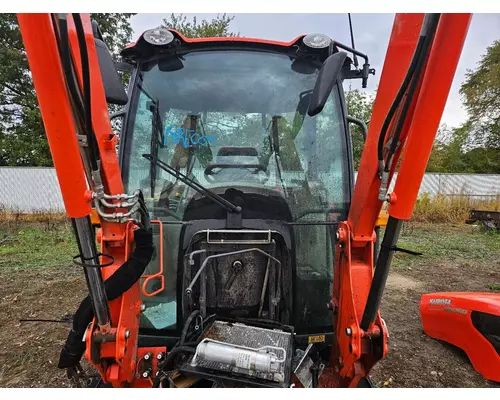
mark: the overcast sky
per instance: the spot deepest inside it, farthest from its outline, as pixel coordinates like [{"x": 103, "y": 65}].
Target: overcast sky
[{"x": 371, "y": 33}]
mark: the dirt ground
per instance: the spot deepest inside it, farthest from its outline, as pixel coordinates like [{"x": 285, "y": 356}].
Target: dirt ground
[{"x": 29, "y": 351}]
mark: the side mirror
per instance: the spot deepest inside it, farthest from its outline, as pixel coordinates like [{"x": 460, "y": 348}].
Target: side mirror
[
  {"x": 361, "y": 124},
  {"x": 328, "y": 75},
  {"x": 113, "y": 88}
]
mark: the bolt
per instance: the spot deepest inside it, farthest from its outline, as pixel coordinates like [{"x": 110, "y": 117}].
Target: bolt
[
  {"x": 237, "y": 265},
  {"x": 348, "y": 331},
  {"x": 159, "y": 356},
  {"x": 147, "y": 357},
  {"x": 127, "y": 334},
  {"x": 145, "y": 374},
  {"x": 142, "y": 308}
]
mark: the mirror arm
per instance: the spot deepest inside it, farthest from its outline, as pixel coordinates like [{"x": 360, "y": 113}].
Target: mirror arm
[
  {"x": 359, "y": 123},
  {"x": 351, "y": 50},
  {"x": 365, "y": 71}
]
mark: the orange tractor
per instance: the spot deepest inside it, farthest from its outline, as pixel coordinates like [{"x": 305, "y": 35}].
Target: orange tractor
[{"x": 233, "y": 248}]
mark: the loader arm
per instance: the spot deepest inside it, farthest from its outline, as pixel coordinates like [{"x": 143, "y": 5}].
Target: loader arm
[
  {"x": 89, "y": 176},
  {"x": 361, "y": 334}
]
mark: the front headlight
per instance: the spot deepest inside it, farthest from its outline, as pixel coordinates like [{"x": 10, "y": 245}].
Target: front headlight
[
  {"x": 158, "y": 36},
  {"x": 317, "y": 41}
]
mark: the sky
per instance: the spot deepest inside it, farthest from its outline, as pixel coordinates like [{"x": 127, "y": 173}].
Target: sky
[{"x": 371, "y": 35}]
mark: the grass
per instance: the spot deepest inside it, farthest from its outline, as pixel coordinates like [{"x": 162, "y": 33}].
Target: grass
[
  {"x": 495, "y": 286},
  {"x": 32, "y": 244},
  {"x": 446, "y": 243},
  {"x": 454, "y": 209},
  {"x": 437, "y": 230},
  {"x": 42, "y": 216}
]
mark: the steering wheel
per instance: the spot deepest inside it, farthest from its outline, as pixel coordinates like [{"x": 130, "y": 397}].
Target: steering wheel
[{"x": 209, "y": 170}]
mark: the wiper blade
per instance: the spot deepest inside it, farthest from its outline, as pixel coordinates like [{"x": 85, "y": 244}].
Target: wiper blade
[{"x": 195, "y": 185}]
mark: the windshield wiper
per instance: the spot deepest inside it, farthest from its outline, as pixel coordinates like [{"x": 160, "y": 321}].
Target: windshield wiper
[
  {"x": 195, "y": 185},
  {"x": 156, "y": 129},
  {"x": 275, "y": 147}
]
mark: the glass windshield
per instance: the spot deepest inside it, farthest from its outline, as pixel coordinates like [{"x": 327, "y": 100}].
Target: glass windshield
[
  {"x": 217, "y": 115},
  {"x": 235, "y": 119}
]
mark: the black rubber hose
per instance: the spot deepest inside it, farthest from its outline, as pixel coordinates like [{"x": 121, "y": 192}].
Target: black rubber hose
[
  {"x": 397, "y": 100},
  {"x": 117, "y": 284},
  {"x": 170, "y": 357},
  {"x": 428, "y": 34},
  {"x": 87, "y": 99},
  {"x": 68, "y": 68},
  {"x": 400, "y": 95},
  {"x": 187, "y": 324}
]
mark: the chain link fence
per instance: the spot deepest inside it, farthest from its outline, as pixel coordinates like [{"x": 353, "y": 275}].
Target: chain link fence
[{"x": 29, "y": 190}]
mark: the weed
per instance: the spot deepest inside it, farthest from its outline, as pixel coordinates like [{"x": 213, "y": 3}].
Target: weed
[
  {"x": 494, "y": 286},
  {"x": 451, "y": 209}
]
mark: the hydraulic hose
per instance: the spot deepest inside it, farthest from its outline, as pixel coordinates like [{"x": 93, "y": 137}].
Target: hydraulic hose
[
  {"x": 67, "y": 64},
  {"x": 117, "y": 284},
  {"x": 428, "y": 32},
  {"x": 406, "y": 91},
  {"x": 187, "y": 324},
  {"x": 87, "y": 99},
  {"x": 170, "y": 357},
  {"x": 397, "y": 101}
]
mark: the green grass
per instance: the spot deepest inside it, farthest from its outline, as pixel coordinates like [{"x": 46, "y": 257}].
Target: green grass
[
  {"x": 34, "y": 244},
  {"x": 495, "y": 286},
  {"x": 446, "y": 243},
  {"x": 51, "y": 244}
]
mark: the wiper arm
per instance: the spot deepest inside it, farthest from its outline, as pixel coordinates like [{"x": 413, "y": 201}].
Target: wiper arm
[
  {"x": 275, "y": 147},
  {"x": 195, "y": 185}
]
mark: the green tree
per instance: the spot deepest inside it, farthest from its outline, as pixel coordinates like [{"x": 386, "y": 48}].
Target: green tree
[
  {"x": 22, "y": 135},
  {"x": 474, "y": 147},
  {"x": 481, "y": 94},
  {"x": 359, "y": 105},
  {"x": 447, "y": 151},
  {"x": 217, "y": 27}
]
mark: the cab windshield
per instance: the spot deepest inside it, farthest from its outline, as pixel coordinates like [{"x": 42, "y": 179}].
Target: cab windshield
[{"x": 237, "y": 119}]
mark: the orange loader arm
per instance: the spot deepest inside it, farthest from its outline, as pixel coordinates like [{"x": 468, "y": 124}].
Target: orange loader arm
[
  {"x": 421, "y": 60},
  {"x": 64, "y": 63}
]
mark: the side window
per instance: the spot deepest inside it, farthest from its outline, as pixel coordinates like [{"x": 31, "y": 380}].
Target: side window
[
  {"x": 332, "y": 157},
  {"x": 141, "y": 139}
]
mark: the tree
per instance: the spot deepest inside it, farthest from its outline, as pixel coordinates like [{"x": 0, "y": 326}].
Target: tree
[
  {"x": 359, "y": 105},
  {"x": 22, "y": 135},
  {"x": 474, "y": 147},
  {"x": 447, "y": 153},
  {"x": 217, "y": 27},
  {"x": 451, "y": 153},
  {"x": 481, "y": 94}
]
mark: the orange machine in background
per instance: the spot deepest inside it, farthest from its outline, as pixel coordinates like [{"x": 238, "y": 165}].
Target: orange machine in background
[{"x": 470, "y": 321}]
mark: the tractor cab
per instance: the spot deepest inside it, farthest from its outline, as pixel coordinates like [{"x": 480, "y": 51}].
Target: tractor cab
[{"x": 242, "y": 150}]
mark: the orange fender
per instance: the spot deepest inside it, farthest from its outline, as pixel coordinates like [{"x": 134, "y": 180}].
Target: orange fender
[{"x": 470, "y": 321}]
